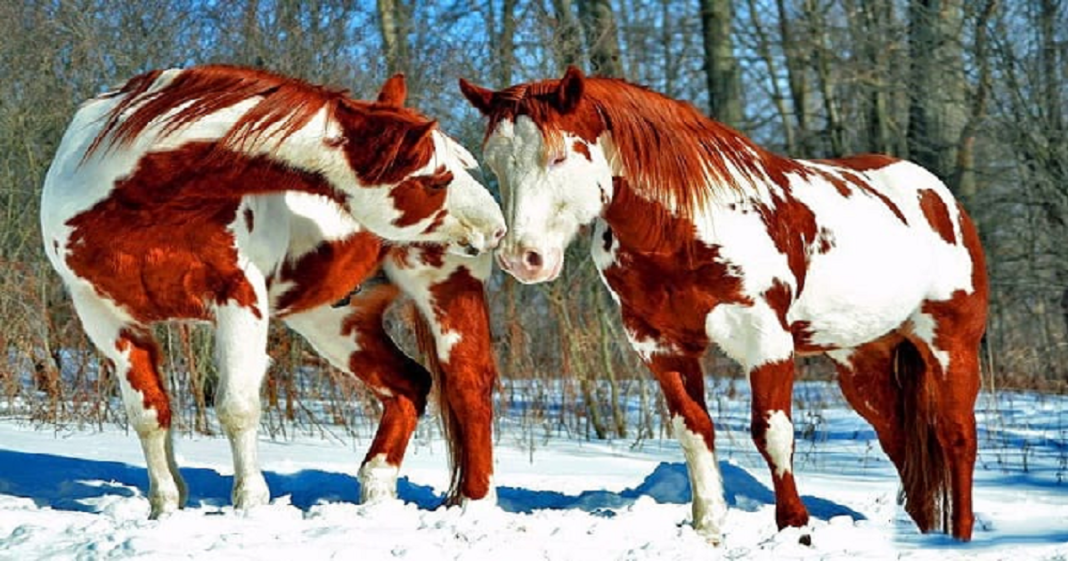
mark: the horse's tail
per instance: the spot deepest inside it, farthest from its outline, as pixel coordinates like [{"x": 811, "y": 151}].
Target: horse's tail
[
  {"x": 924, "y": 474},
  {"x": 450, "y": 425}
]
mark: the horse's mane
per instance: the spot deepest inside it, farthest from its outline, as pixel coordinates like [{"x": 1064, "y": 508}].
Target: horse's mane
[
  {"x": 668, "y": 150},
  {"x": 194, "y": 93}
]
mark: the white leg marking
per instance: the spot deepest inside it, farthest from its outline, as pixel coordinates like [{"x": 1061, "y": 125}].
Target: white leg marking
[
  {"x": 241, "y": 346},
  {"x": 780, "y": 439},
  {"x": 378, "y": 480},
  {"x": 102, "y": 325},
  {"x": 164, "y": 492},
  {"x": 709, "y": 506}
]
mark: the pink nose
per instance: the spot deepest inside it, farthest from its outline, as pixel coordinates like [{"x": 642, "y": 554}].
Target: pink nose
[{"x": 530, "y": 265}]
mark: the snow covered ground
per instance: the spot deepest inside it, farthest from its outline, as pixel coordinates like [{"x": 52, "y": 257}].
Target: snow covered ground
[{"x": 80, "y": 495}]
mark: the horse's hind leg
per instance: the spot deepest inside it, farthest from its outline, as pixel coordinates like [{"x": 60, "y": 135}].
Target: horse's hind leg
[
  {"x": 953, "y": 386},
  {"x": 354, "y": 340},
  {"x": 135, "y": 356},
  {"x": 870, "y": 384},
  {"x": 241, "y": 354},
  {"x": 924, "y": 418}
]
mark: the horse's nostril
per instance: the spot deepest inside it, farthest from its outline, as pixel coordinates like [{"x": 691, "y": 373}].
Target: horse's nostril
[
  {"x": 500, "y": 234},
  {"x": 532, "y": 259}
]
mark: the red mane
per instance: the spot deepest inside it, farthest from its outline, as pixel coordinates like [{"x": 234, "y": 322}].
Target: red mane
[
  {"x": 285, "y": 102},
  {"x": 667, "y": 148}
]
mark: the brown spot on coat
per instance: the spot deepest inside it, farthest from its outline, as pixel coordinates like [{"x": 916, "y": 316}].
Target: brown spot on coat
[
  {"x": 419, "y": 198},
  {"x": 581, "y": 148},
  {"x": 329, "y": 272},
  {"x": 667, "y": 281},
  {"x": 160, "y": 245},
  {"x": 937, "y": 215},
  {"x": 144, "y": 356}
]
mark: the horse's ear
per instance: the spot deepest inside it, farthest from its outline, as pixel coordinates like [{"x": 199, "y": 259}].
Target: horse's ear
[
  {"x": 481, "y": 98},
  {"x": 394, "y": 91},
  {"x": 418, "y": 132},
  {"x": 569, "y": 92}
]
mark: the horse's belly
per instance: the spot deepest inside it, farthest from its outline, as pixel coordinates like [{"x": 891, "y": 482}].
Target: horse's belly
[{"x": 853, "y": 296}]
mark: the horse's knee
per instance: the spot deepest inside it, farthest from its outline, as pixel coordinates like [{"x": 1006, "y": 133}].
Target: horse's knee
[{"x": 238, "y": 413}]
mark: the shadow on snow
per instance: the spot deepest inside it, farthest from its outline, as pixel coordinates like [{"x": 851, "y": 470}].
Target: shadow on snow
[{"x": 65, "y": 483}]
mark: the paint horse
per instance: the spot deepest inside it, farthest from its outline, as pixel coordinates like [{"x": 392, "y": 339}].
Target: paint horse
[
  {"x": 702, "y": 236},
  {"x": 229, "y": 195}
]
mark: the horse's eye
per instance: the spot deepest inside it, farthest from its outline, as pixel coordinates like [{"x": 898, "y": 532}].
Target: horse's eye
[
  {"x": 439, "y": 181},
  {"x": 558, "y": 160}
]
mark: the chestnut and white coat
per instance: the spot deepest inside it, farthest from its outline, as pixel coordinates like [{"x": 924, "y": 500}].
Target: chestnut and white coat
[
  {"x": 229, "y": 195},
  {"x": 704, "y": 237}
]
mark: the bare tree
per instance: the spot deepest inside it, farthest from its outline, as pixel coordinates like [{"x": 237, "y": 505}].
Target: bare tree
[
  {"x": 394, "y": 19},
  {"x": 721, "y": 66},
  {"x": 937, "y": 85},
  {"x": 602, "y": 37}
]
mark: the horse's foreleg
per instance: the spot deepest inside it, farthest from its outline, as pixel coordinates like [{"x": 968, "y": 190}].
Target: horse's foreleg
[
  {"x": 682, "y": 383},
  {"x": 773, "y": 434},
  {"x": 354, "y": 340},
  {"x": 399, "y": 382},
  {"x": 456, "y": 341},
  {"x": 135, "y": 357},
  {"x": 241, "y": 353}
]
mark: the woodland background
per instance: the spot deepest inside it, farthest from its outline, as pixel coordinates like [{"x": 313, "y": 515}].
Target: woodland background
[{"x": 975, "y": 91}]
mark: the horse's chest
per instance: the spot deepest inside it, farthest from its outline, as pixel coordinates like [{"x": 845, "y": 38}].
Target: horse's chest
[{"x": 666, "y": 297}]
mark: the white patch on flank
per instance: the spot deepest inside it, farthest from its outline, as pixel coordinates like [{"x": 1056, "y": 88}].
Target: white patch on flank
[
  {"x": 751, "y": 335},
  {"x": 880, "y": 270},
  {"x": 709, "y": 506},
  {"x": 378, "y": 480},
  {"x": 780, "y": 440},
  {"x": 266, "y": 244},
  {"x": 923, "y": 325}
]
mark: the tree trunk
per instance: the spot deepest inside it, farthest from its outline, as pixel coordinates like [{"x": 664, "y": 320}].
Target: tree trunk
[
  {"x": 764, "y": 50},
  {"x": 796, "y": 63},
  {"x": 394, "y": 23},
  {"x": 602, "y": 38},
  {"x": 568, "y": 44},
  {"x": 937, "y": 86},
  {"x": 876, "y": 21},
  {"x": 721, "y": 67},
  {"x": 506, "y": 45}
]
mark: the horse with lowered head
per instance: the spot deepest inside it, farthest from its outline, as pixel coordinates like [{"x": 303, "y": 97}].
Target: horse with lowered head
[
  {"x": 229, "y": 195},
  {"x": 703, "y": 236}
]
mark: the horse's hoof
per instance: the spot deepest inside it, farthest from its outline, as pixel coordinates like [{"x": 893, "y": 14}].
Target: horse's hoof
[{"x": 250, "y": 492}]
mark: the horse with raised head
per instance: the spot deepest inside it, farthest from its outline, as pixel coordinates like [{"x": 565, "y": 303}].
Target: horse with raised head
[
  {"x": 702, "y": 236},
  {"x": 230, "y": 195}
]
